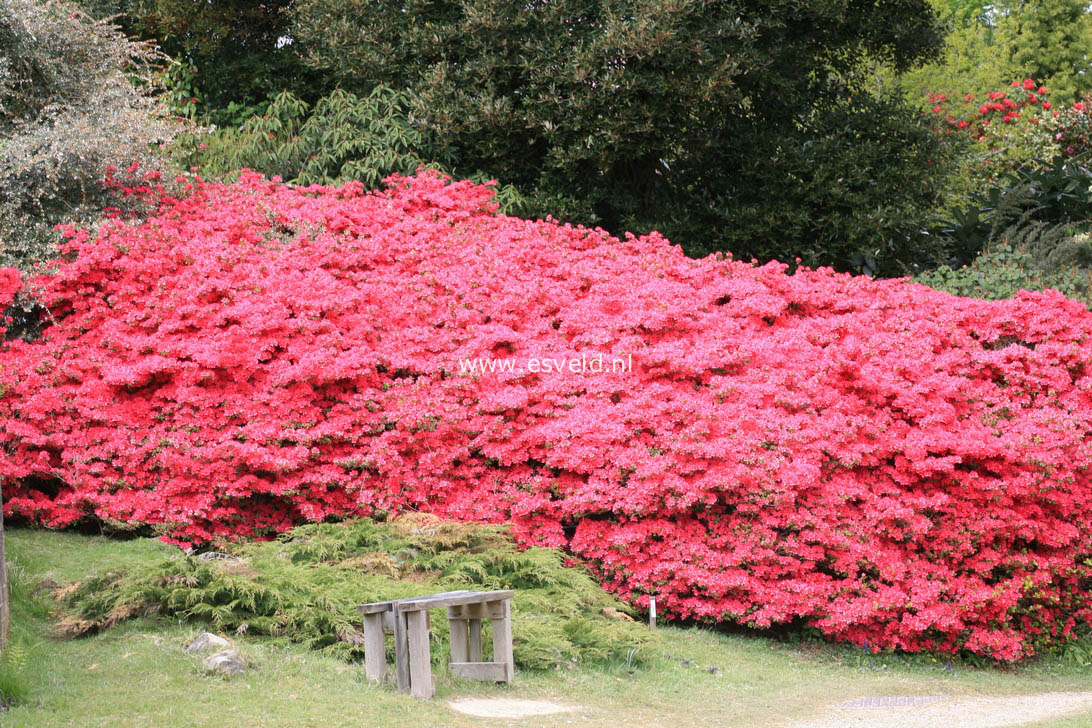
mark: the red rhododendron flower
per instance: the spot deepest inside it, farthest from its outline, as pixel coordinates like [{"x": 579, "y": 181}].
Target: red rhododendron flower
[{"x": 884, "y": 462}]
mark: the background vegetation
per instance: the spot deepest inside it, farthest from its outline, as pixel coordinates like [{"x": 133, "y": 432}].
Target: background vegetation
[
  {"x": 737, "y": 130},
  {"x": 75, "y": 100}
]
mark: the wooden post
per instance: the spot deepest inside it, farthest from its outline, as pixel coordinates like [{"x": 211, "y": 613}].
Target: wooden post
[
  {"x": 502, "y": 640},
  {"x": 420, "y": 661},
  {"x": 401, "y": 653},
  {"x": 375, "y": 647},
  {"x": 5, "y": 596},
  {"x": 460, "y": 647},
  {"x": 474, "y": 653},
  {"x": 652, "y": 612}
]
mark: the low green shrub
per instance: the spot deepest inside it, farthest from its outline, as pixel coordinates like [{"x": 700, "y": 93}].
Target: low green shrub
[
  {"x": 1046, "y": 200},
  {"x": 1005, "y": 268},
  {"x": 305, "y": 586}
]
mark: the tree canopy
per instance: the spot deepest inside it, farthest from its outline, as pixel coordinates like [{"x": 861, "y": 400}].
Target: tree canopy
[
  {"x": 74, "y": 100},
  {"x": 656, "y": 114}
]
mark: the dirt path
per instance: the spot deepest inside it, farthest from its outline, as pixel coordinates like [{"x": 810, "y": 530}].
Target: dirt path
[
  {"x": 929, "y": 711},
  {"x": 923, "y": 711}
]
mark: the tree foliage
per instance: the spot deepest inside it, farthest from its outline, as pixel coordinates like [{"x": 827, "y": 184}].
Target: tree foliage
[
  {"x": 652, "y": 114},
  {"x": 343, "y": 137},
  {"x": 1049, "y": 40},
  {"x": 989, "y": 45},
  {"x": 73, "y": 102},
  {"x": 975, "y": 58},
  {"x": 240, "y": 49}
]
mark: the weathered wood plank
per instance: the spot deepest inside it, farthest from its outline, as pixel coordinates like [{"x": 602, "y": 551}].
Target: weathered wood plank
[
  {"x": 375, "y": 607},
  {"x": 474, "y": 648},
  {"x": 450, "y": 599},
  {"x": 502, "y": 641},
  {"x": 401, "y": 654},
  {"x": 485, "y": 610},
  {"x": 458, "y": 629},
  {"x": 488, "y": 671},
  {"x": 466, "y": 611},
  {"x": 375, "y": 647},
  {"x": 420, "y": 664}
]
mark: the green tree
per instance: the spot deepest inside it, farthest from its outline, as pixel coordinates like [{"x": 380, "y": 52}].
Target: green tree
[
  {"x": 342, "y": 138},
  {"x": 1049, "y": 40},
  {"x": 989, "y": 46},
  {"x": 976, "y": 58},
  {"x": 73, "y": 101},
  {"x": 240, "y": 49},
  {"x": 659, "y": 114}
]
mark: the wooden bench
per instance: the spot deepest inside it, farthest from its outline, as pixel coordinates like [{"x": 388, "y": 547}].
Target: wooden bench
[{"x": 408, "y": 620}]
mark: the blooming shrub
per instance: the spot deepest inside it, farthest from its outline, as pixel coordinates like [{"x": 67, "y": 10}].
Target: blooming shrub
[
  {"x": 1014, "y": 127},
  {"x": 1005, "y": 131},
  {"x": 1073, "y": 132},
  {"x": 887, "y": 463}
]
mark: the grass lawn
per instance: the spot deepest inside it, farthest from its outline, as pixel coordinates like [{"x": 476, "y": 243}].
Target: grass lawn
[{"x": 136, "y": 674}]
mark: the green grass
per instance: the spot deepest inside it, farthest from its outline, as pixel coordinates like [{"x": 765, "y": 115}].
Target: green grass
[{"x": 135, "y": 674}]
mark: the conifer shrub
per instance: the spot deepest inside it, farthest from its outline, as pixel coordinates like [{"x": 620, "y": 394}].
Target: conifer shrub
[
  {"x": 304, "y": 587},
  {"x": 884, "y": 462}
]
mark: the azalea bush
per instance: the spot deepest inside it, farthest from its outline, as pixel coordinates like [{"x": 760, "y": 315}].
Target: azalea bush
[{"x": 886, "y": 463}]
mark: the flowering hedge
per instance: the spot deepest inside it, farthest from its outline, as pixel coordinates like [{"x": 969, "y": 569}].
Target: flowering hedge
[
  {"x": 1015, "y": 127},
  {"x": 890, "y": 464}
]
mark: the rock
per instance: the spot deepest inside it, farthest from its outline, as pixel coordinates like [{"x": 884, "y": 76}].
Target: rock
[
  {"x": 207, "y": 641},
  {"x": 218, "y": 556},
  {"x": 612, "y": 613},
  {"x": 229, "y": 662}
]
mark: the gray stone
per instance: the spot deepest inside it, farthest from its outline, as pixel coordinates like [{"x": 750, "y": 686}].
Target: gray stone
[
  {"x": 207, "y": 641},
  {"x": 229, "y": 662},
  {"x": 218, "y": 556}
]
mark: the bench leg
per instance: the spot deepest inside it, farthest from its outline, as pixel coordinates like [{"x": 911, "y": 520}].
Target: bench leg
[
  {"x": 460, "y": 647},
  {"x": 502, "y": 641},
  {"x": 375, "y": 648},
  {"x": 420, "y": 661},
  {"x": 401, "y": 653},
  {"x": 474, "y": 649}
]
